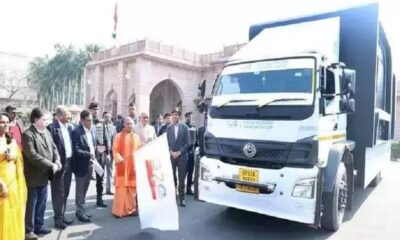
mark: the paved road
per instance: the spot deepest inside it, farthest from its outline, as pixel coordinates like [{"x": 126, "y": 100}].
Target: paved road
[{"x": 375, "y": 216}]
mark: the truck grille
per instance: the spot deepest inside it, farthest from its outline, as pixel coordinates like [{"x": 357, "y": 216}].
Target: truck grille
[{"x": 265, "y": 151}]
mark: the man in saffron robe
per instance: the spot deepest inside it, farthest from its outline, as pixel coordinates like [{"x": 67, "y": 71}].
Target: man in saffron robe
[{"x": 125, "y": 145}]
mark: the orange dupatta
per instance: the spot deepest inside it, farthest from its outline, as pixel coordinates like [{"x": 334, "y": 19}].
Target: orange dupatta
[{"x": 127, "y": 165}]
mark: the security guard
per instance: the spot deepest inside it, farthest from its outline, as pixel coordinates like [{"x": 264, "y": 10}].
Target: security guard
[{"x": 192, "y": 143}]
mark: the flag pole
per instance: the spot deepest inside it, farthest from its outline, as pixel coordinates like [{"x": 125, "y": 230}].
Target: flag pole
[{"x": 114, "y": 33}]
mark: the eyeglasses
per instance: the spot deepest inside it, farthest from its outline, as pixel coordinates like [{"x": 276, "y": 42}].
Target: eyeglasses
[
  {"x": 145, "y": 117},
  {"x": 4, "y": 122}
]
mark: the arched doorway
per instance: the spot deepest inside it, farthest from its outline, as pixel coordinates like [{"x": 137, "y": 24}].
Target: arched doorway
[
  {"x": 164, "y": 97},
  {"x": 111, "y": 103}
]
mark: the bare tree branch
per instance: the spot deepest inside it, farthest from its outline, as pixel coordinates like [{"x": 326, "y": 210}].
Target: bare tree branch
[{"x": 12, "y": 82}]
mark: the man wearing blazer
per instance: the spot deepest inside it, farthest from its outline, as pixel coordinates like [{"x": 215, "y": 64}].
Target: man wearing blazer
[
  {"x": 167, "y": 122},
  {"x": 41, "y": 162},
  {"x": 84, "y": 145},
  {"x": 61, "y": 131},
  {"x": 159, "y": 124},
  {"x": 178, "y": 141}
]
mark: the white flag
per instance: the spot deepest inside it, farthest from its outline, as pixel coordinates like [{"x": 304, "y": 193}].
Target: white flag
[{"x": 155, "y": 186}]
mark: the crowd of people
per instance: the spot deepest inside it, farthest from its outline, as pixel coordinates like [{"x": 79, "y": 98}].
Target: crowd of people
[{"x": 52, "y": 154}]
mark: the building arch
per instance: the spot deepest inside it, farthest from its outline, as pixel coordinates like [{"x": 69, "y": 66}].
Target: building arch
[
  {"x": 165, "y": 96},
  {"x": 111, "y": 103}
]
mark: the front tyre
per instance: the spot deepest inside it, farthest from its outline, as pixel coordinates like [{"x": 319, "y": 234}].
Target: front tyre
[{"x": 334, "y": 203}]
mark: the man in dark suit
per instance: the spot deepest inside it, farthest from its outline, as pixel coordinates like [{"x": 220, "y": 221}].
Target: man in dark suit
[
  {"x": 200, "y": 140},
  {"x": 41, "y": 162},
  {"x": 191, "y": 150},
  {"x": 61, "y": 131},
  {"x": 167, "y": 122},
  {"x": 200, "y": 143},
  {"x": 83, "y": 145},
  {"x": 159, "y": 124},
  {"x": 178, "y": 141},
  {"x": 109, "y": 135}
]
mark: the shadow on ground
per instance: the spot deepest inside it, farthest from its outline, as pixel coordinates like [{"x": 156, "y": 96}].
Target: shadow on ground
[{"x": 198, "y": 221}]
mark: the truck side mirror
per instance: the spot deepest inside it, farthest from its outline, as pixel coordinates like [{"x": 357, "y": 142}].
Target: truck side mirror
[
  {"x": 348, "y": 81},
  {"x": 202, "y": 88},
  {"x": 348, "y": 89},
  {"x": 201, "y": 101},
  {"x": 201, "y": 106}
]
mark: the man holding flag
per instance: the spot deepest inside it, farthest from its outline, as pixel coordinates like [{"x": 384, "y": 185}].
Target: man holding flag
[{"x": 125, "y": 145}]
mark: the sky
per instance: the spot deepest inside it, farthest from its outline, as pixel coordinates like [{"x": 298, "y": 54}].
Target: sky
[{"x": 32, "y": 28}]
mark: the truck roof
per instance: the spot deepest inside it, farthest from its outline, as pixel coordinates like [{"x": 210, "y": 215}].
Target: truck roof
[{"x": 257, "y": 28}]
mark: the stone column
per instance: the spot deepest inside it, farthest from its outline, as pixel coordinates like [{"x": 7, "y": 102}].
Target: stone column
[
  {"x": 100, "y": 99},
  {"x": 141, "y": 85},
  {"x": 120, "y": 85},
  {"x": 94, "y": 82},
  {"x": 143, "y": 103}
]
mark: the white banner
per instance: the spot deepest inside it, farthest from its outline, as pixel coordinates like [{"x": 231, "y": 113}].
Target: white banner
[{"x": 155, "y": 186}]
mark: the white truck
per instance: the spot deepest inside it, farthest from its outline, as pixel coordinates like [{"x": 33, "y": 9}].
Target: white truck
[{"x": 289, "y": 132}]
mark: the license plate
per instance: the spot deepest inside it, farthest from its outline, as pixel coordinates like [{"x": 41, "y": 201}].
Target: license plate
[{"x": 248, "y": 175}]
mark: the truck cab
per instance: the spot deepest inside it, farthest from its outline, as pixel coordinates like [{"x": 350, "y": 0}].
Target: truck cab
[{"x": 281, "y": 139}]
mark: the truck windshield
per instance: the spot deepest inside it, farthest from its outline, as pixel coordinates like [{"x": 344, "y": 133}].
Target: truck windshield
[{"x": 281, "y": 76}]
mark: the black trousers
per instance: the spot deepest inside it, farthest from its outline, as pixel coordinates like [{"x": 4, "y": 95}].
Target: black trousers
[
  {"x": 179, "y": 165},
  {"x": 190, "y": 170},
  {"x": 60, "y": 187},
  {"x": 35, "y": 208},
  {"x": 100, "y": 179}
]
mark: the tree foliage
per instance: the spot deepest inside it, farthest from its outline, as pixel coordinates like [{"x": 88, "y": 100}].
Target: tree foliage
[{"x": 59, "y": 78}]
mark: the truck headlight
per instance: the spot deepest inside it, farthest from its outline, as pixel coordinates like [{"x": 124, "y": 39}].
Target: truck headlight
[
  {"x": 205, "y": 174},
  {"x": 304, "y": 188}
]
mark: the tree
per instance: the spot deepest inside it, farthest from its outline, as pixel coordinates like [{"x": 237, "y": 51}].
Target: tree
[
  {"x": 12, "y": 81},
  {"x": 59, "y": 78}
]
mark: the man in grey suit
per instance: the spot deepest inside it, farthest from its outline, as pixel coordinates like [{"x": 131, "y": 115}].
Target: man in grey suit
[
  {"x": 109, "y": 135},
  {"x": 178, "y": 141},
  {"x": 41, "y": 162}
]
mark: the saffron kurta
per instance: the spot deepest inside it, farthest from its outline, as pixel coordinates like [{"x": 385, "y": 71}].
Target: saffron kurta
[
  {"x": 12, "y": 208},
  {"x": 124, "y": 146}
]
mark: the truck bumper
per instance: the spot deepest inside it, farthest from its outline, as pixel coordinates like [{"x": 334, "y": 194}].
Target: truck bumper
[{"x": 279, "y": 202}]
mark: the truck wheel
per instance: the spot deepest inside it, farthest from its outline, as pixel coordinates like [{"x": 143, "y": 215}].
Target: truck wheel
[
  {"x": 375, "y": 182},
  {"x": 334, "y": 203}
]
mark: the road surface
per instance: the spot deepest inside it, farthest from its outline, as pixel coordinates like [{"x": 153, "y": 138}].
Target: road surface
[{"x": 376, "y": 215}]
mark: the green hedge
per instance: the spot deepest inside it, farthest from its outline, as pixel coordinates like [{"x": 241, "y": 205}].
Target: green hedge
[{"x": 395, "y": 150}]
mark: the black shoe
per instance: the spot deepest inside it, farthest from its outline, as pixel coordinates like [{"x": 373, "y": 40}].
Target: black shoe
[
  {"x": 182, "y": 203},
  {"x": 189, "y": 192},
  {"x": 42, "y": 231},
  {"x": 67, "y": 221},
  {"x": 135, "y": 214},
  {"x": 101, "y": 204},
  {"x": 31, "y": 236},
  {"x": 84, "y": 218},
  {"x": 60, "y": 225},
  {"x": 109, "y": 193},
  {"x": 89, "y": 215}
]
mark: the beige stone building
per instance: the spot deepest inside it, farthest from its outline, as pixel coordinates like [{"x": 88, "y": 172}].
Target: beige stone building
[{"x": 157, "y": 77}]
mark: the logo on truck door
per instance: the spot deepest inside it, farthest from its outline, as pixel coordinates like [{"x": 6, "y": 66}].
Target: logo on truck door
[{"x": 249, "y": 150}]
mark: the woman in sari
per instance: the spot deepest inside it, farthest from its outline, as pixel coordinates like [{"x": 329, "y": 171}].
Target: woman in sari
[{"x": 13, "y": 191}]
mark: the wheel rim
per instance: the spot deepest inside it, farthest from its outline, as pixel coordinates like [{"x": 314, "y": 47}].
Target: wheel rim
[{"x": 342, "y": 197}]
